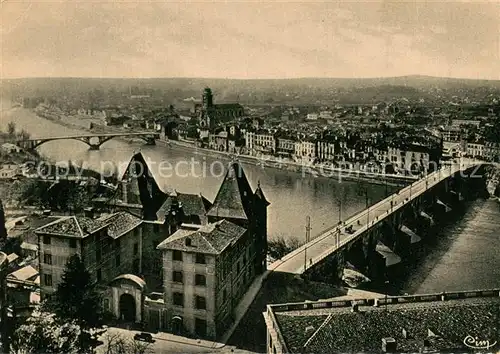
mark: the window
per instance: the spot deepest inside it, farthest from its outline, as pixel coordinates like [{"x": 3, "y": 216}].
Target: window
[
  {"x": 136, "y": 248},
  {"x": 117, "y": 260},
  {"x": 47, "y": 279},
  {"x": 200, "y": 303},
  {"x": 46, "y": 240},
  {"x": 178, "y": 299},
  {"x": 177, "y": 276},
  {"x": 99, "y": 275},
  {"x": 200, "y": 280},
  {"x": 224, "y": 295},
  {"x": 200, "y": 258},
  {"x": 98, "y": 254},
  {"x": 72, "y": 243},
  {"x": 177, "y": 255},
  {"x": 188, "y": 241},
  {"x": 200, "y": 327},
  {"x": 47, "y": 258},
  {"x": 238, "y": 267}
]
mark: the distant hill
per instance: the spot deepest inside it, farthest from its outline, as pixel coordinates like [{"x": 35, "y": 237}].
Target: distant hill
[{"x": 258, "y": 91}]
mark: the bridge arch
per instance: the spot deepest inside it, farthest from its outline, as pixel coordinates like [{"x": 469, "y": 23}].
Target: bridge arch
[{"x": 101, "y": 139}]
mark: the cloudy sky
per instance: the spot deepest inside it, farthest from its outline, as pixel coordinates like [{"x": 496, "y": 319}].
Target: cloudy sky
[{"x": 251, "y": 39}]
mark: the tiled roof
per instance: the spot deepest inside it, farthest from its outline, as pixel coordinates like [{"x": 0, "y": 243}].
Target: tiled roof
[
  {"x": 336, "y": 330},
  {"x": 24, "y": 273},
  {"x": 234, "y": 197},
  {"x": 72, "y": 226},
  {"x": 260, "y": 195},
  {"x": 192, "y": 204},
  {"x": 228, "y": 106},
  {"x": 121, "y": 223},
  {"x": 212, "y": 238}
]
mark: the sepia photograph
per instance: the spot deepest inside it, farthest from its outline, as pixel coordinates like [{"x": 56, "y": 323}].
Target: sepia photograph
[{"x": 254, "y": 176}]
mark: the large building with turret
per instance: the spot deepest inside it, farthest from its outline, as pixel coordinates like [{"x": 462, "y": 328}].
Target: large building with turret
[
  {"x": 210, "y": 114},
  {"x": 207, "y": 269},
  {"x": 170, "y": 261}
]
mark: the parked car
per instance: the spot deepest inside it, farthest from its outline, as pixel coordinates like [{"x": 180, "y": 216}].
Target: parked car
[{"x": 144, "y": 337}]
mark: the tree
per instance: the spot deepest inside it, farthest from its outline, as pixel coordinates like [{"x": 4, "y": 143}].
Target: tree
[
  {"x": 77, "y": 300},
  {"x": 43, "y": 334},
  {"x": 23, "y": 135},
  {"x": 11, "y": 129},
  {"x": 117, "y": 344}
]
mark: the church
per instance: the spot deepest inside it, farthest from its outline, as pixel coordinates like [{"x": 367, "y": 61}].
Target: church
[{"x": 210, "y": 114}]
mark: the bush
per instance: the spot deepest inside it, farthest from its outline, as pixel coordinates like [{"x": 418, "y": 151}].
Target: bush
[{"x": 280, "y": 246}]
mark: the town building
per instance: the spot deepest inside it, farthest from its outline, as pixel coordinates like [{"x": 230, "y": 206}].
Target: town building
[
  {"x": 326, "y": 151},
  {"x": 207, "y": 269},
  {"x": 109, "y": 246},
  {"x": 285, "y": 147},
  {"x": 492, "y": 151},
  {"x": 218, "y": 141},
  {"x": 210, "y": 114},
  {"x": 9, "y": 170},
  {"x": 451, "y": 133},
  {"x": 414, "y": 158},
  {"x": 260, "y": 142},
  {"x": 305, "y": 151},
  {"x": 475, "y": 149},
  {"x": 10, "y": 148},
  {"x": 423, "y": 323},
  {"x": 465, "y": 122}
]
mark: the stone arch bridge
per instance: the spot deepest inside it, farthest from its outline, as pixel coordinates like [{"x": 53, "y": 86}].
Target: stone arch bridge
[{"x": 94, "y": 141}]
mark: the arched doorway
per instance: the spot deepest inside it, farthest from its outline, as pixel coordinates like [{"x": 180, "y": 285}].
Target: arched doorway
[
  {"x": 127, "y": 308},
  {"x": 177, "y": 325}
]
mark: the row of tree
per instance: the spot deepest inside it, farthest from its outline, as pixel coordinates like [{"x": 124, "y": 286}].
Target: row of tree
[{"x": 13, "y": 134}]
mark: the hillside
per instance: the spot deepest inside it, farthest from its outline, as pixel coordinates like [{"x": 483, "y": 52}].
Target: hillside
[{"x": 260, "y": 91}]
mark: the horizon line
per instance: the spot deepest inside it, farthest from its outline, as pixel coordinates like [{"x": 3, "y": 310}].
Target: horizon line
[{"x": 247, "y": 79}]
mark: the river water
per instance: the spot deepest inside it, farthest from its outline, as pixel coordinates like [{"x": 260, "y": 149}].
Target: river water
[{"x": 466, "y": 256}]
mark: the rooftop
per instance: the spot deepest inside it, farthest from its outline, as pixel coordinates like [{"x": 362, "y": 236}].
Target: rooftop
[
  {"x": 211, "y": 239},
  {"x": 444, "y": 321},
  {"x": 234, "y": 198},
  {"x": 75, "y": 226}
]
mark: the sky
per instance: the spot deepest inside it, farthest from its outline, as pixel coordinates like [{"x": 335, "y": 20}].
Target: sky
[{"x": 250, "y": 39}]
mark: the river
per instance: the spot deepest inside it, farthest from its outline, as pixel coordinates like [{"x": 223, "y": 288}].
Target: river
[
  {"x": 466, "y": 255},
  {"x": 292, "y": 195}
]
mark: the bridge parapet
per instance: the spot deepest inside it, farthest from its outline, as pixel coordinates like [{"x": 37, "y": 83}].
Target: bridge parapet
[{"x": 94, "y": 141}]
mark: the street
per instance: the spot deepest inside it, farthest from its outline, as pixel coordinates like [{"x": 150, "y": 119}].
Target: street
[{"x": 169, "y": 343}]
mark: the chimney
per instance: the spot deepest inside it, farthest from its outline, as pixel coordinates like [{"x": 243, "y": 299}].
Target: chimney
[{"x": 389, "y": 345}]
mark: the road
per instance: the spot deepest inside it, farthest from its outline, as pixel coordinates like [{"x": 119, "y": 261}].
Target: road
[
  {"x": 167, "y": 343},
  {"x": 334, "y": 238}
]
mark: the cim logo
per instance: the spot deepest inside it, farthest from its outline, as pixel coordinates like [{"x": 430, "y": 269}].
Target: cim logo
[{"x": 477, "y": 343}]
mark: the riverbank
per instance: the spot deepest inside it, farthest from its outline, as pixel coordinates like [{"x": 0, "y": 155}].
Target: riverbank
[
  {"x": 267, "y": 162},
  {"x": 91, "y": 126},
  {"x": 314, "y": 170}
]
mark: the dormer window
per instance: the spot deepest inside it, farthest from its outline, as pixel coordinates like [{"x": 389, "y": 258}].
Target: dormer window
[{"x": 188, "y": 242}]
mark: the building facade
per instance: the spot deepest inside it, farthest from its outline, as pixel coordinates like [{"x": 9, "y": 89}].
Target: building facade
[
  {"x": 108, "y": 246},
  {"x": 260, "y": 142},
  {"x": 207, "y": 269}
]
